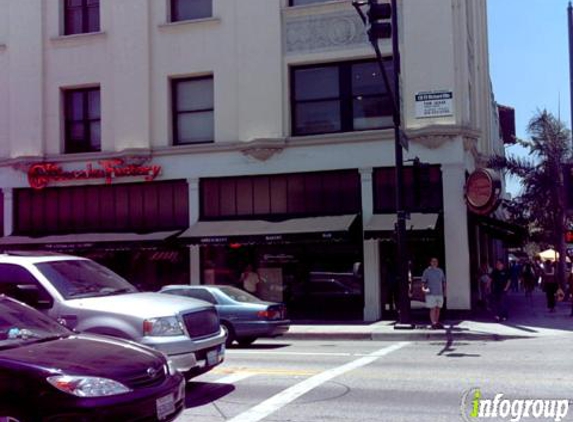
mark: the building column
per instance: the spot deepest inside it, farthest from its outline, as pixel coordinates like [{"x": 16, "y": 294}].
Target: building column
[
  {"x": 456, "y": 237},
  {"x": 8, "y": 216},
  {"x": 372, "y": 305},
  {"x": 194, "y": 250}
]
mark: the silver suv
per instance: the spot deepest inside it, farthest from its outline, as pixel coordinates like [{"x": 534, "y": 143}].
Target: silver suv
[{"x": 88, "y": 297}]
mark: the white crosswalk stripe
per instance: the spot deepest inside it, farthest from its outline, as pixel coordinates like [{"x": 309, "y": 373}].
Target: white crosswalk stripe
[{"x": 270, "y": 405}]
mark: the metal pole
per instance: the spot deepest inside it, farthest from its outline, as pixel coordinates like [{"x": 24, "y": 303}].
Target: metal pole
[
  {"x": 570, "y": 31},
  {"x": 404, "y": 320}
]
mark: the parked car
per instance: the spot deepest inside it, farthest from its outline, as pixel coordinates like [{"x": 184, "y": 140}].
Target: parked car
[
  {"x": 244, "y": 316},
  {"x": 48, "y": 372},
  {"x": 88, "y": 297}
]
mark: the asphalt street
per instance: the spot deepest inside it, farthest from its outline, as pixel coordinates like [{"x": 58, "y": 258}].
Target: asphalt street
[{"x": 307, "y": 381}]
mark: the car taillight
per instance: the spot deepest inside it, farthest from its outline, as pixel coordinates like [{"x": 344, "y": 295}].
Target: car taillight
[{"x": 270, "y": 314}]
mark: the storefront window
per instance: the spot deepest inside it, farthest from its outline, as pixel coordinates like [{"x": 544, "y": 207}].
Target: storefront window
[{"x": 315, "y": 280}]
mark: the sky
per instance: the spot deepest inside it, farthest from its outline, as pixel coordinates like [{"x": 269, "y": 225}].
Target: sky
[{"x": 529, "y": 61}]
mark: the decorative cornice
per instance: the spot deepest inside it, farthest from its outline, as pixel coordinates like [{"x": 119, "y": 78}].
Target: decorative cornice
[
  {"x": 134, "y": 155},
  {"x": 342, "y": 138},
  {"x": 263, "y": 149},
  {"x": 437, "y": 135}
]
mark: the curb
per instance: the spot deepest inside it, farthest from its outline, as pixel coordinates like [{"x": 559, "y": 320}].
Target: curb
[{"x": 402, "y": 336}]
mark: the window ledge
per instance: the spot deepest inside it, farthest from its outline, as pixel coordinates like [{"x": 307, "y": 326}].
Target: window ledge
[
  {"x": 314, "y": 5},
  {"x": 189, "y": 22},
  {"x": 77, "y": 37}
]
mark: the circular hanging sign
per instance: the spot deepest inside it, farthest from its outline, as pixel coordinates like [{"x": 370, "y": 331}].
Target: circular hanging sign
[{"x": 483, "y": 190}]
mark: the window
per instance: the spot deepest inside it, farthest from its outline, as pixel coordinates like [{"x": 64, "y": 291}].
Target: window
[
  {"x": 195, "y": 294},
  {"x": 281, "y": 196},
  {"x": 18, "y": 283},
  {"x": 423, "y": 191},
  {"x": 81, "y": 16},
  {"x": 83, "y": 120},
  {"x": 303, "y": 2},
  {"x": 340, "y": 98},
  {"x": 193, "y": 115},
  {"x": 121, "y": 207},
  {"x": 182, "y": 10}
]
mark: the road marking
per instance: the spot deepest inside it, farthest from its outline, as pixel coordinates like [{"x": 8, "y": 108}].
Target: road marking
[
  {"x": 236, "y": 377},
  {"x": 265, "y": 371},
  {"x": 287, "y": 396},
  {"x": 258, "y": 352}
]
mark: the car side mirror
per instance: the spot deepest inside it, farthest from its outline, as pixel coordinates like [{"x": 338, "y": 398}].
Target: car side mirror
[{"x": 30, "y": 295}]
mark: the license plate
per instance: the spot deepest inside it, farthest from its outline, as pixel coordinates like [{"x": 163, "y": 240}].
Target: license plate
[
  {"x": 165, "y": 406},
  {"x": 212, "y": 357}
]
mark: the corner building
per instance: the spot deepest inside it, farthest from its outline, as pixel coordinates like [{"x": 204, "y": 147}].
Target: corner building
[{"x": 178, "y": 141}]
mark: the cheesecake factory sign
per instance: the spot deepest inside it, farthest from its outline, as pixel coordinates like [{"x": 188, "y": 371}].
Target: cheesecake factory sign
[{"x": 41, "y": 175}]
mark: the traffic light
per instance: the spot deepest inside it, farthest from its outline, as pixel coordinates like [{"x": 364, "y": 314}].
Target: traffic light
[{"x": 379, "y": 23}]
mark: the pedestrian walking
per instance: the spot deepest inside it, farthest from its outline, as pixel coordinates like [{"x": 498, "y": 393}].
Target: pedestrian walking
[
  {"x": 515, "y": 274},
  {"x": 550, "y": 284},
  {"x": 250, "y": 279},
  {"x": 529, "y": 279},
  {"x": 500, "y": 283},
  {"x": 484, "y": 284},
  {"x": 434, "y": 285}
]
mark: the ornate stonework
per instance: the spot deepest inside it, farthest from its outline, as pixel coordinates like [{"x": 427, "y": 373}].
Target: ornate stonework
[
  {"x": 324, "y": 32},
  {"x": 262, "y": 150},
  {"x": 433, "y": 137}
]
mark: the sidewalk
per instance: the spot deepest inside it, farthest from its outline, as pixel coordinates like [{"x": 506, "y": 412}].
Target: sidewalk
[{"x": 528, "y": 318}]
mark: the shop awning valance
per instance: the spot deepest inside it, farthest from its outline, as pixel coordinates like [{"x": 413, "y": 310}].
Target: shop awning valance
[
  {"x": 383, "y": 224},
  {"x": 510, "y": 233},
  {"x": 229, "y": 231},
  {"x": 86, "y": 238}
]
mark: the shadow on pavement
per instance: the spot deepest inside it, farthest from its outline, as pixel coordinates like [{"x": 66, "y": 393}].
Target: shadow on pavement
[
  {"x": 530, "y": 314},
  {"x": 202, "y": 393},
  {"x": 261, "y": 346}
]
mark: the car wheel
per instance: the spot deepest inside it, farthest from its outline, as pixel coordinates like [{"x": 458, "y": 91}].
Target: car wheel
[
  {"x": 229, "y": 332},
  {"x": 246, "y": 341}
]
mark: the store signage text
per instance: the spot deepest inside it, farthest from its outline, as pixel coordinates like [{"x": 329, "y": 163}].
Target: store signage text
[
  {"x": 434, "y": 104},
  {"x": 41, "y": 175}
]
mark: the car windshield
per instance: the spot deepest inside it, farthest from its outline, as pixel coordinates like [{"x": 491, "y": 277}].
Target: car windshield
[
  {"x": 80, "y": 278},
  {"x": 20, "y": 324},
  {"x": 239, "y": 295}
]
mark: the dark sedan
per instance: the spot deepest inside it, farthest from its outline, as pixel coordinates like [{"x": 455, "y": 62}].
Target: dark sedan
[
  {"x": 49, "y": 373},
  {"x": 244, "y": 316}
]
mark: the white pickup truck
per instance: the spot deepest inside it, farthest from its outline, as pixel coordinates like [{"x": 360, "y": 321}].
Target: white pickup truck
[{"x": 88, "y": 297}]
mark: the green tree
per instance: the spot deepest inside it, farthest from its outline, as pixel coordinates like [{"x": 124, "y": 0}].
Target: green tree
[{"x": 541, "y": 207}]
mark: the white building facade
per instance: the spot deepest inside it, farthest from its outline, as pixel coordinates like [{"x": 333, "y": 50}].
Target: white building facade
[{"x": 181, "y": 140}]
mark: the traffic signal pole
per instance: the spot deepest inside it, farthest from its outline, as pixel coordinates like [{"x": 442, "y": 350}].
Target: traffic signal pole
[{"x": 377, "y": 28}]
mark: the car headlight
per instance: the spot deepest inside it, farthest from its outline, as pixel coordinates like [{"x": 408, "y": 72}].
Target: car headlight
[
  {"x": 164, "y": 326},
  {"x": 170, "y": 367},
  {"x": 82, "y": 386}
]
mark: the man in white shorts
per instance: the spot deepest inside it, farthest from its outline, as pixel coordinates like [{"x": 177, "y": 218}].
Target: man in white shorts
[{"x": 434, "y": 282}]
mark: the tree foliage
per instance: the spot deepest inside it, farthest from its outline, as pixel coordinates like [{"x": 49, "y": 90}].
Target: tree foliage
[{"x": 541, "y": 206}]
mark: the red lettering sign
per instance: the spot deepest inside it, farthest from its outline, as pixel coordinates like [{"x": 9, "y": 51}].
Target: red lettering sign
[{"x": 40, "y": 175}]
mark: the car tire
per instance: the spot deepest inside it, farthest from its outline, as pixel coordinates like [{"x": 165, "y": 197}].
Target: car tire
[
  {"x": 246, "y": 341},
  {"x": 230, "y": 332}
]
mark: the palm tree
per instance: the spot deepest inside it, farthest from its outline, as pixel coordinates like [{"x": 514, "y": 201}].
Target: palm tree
[{"x": 542, "y": 206}]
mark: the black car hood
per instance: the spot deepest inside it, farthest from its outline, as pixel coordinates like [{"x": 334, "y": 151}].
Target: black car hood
[{"x": 83, "y": 355}]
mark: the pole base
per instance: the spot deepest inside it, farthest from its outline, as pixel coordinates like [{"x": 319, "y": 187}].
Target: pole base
[{"x": 404, "y": 326}]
